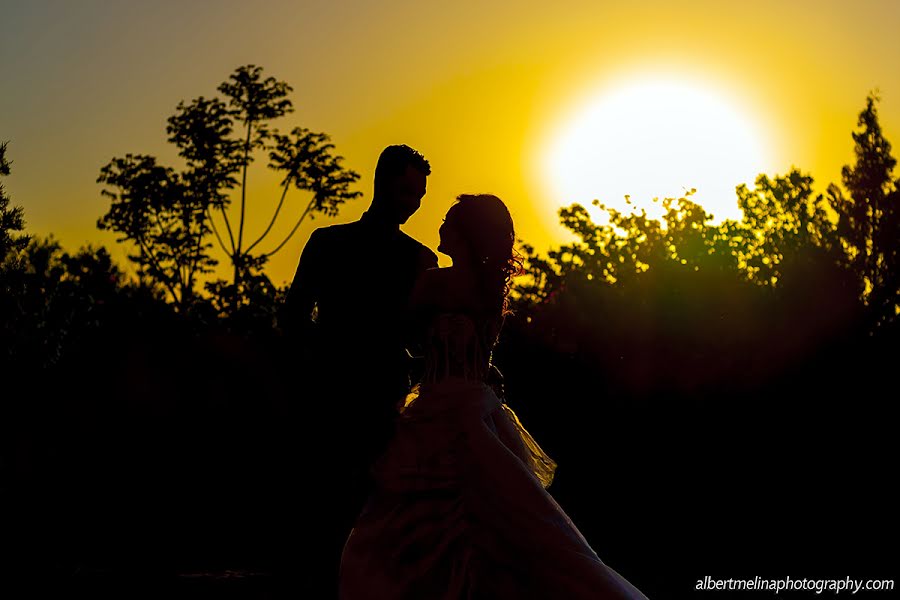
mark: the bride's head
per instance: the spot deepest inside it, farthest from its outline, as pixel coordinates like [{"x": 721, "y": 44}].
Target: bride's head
[{"x": 478, "y": 234}]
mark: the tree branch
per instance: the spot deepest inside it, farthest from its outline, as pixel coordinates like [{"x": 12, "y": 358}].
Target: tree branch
[
  {"x": 159, "y": 269},
  {"x": 244, "y": 186},
  {"x": 228, "y": 228},
  {"x": 216, "y": 231},
  {"x": 287, "y": 184},
  {"x": 165, "y": 230},
  {"x": 195, "y": 259},
  {"x": 291, "y": 234}
]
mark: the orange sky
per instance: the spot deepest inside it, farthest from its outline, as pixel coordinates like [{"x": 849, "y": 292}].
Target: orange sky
[{"x": 478, "y": 87}]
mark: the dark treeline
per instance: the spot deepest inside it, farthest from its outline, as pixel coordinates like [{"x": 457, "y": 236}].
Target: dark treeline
[{"x": 736, "y": 380}]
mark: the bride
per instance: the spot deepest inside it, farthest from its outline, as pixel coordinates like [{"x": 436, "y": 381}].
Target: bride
[{"x": 460, "y": 509}]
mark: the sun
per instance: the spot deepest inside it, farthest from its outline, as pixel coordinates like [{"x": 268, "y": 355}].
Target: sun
[{"x": 655, "y": 137}]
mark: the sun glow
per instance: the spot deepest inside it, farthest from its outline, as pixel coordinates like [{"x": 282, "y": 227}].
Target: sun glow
[{"x": 654, "y": 138}]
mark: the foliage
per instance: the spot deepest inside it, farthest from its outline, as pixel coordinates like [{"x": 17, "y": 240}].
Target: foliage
[
  {"x": 12, "y": 219},
  {"x": 681, "y": 301},
  {"x": 56, "y": 299},
  {"x": 155, "y": 208},
  {"x": 869, "y": 217},
  {"x": 168, "y": 214},
  {"x": 781, "y": 218}
]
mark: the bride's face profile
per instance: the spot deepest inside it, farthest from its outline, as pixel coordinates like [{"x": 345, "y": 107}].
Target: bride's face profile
[
  {"x": 450, "y": 240},
  {"x": 453, "y": 243}
]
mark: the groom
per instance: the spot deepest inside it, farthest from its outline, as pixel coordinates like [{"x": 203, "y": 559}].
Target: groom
[{"x": 348, "y": 306}]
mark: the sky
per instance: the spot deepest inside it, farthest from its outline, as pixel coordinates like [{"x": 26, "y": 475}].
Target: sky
[{"x": 490, "y": 92}]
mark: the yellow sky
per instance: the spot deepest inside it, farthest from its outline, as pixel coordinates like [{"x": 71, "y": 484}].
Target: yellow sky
[{"x": 478, "y": 87}]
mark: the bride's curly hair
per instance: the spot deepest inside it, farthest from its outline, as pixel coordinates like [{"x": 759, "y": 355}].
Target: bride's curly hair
[{"x": 485, "y": 225}]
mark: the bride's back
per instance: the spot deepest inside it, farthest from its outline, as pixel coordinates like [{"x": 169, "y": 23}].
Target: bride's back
[{"x": 460, "y": 332}]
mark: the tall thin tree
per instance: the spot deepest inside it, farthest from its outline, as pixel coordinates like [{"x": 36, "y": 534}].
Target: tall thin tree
[{"x": 869, "y": 217}]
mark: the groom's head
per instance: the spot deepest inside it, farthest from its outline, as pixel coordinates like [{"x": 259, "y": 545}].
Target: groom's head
[{"x": 400, "y": 181}]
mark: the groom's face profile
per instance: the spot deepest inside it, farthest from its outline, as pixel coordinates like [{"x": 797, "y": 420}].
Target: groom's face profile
[{"x": 407, "y": 191}]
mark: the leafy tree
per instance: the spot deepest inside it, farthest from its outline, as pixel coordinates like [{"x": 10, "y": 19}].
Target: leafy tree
[
  {"x": 642, "y": 300},
  {"x": 12, "y": 219},
  {"x": 628, "y": 245},
  {"x": 869, "y": 219},
  {"x": 159, "y": 211},
  {"x": 217, "y": 162},
  {"x": 685, "y": 302},
  {"x": 57, "y": 299},
  {"x": 12, "y": 243},
  {"x": 782, "y": 219}
]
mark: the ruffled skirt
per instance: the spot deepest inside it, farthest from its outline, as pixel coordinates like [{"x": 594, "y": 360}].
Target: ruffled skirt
[{"x": 460, "y": 511}]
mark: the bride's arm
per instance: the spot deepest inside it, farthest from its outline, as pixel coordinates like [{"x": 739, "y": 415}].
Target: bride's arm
[
  {"x": 417, "y": 311},
  {"x": 423, "y": 293}
]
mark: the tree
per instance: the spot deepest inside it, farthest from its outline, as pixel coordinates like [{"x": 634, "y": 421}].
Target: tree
[
  {"x": 12, "y": 244},
  {"x": 782, "y": 219},
  {"x": 57, "y": 300},
  {"x": 169, "y": 214},
  {"x": 162, "y": 213},
  {"x": 869, "y": 219},
  {"x": 683, "y": 301},
  {"x": 628, "y": 245},
  {"x": 12, "y": 219}
]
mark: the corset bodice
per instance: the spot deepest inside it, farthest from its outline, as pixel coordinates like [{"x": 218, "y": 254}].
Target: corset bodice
[{"x": 459, "y": 345}]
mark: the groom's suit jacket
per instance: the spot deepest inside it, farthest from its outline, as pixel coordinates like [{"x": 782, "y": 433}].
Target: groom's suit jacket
[{"x": 358, "y": 276}]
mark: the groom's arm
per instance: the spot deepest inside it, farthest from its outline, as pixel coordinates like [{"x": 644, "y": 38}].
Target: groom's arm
[{"x": 296, "y": 315}]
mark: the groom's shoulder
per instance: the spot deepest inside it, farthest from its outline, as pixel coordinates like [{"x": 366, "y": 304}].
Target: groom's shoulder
[
  {"x": 415, "y": 245},
  {"x": 341, "y": 231},
  {"x": 409, "y": 240}
]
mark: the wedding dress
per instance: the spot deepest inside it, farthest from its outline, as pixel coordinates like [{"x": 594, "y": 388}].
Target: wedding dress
[{"x": 460, "y": 509}]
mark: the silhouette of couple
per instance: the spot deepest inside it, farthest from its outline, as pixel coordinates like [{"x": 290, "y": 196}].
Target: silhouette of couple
[{"x": 431, "y": 491}]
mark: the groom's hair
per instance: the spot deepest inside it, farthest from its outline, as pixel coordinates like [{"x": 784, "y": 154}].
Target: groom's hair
[{"x": 393, "y": 162}]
